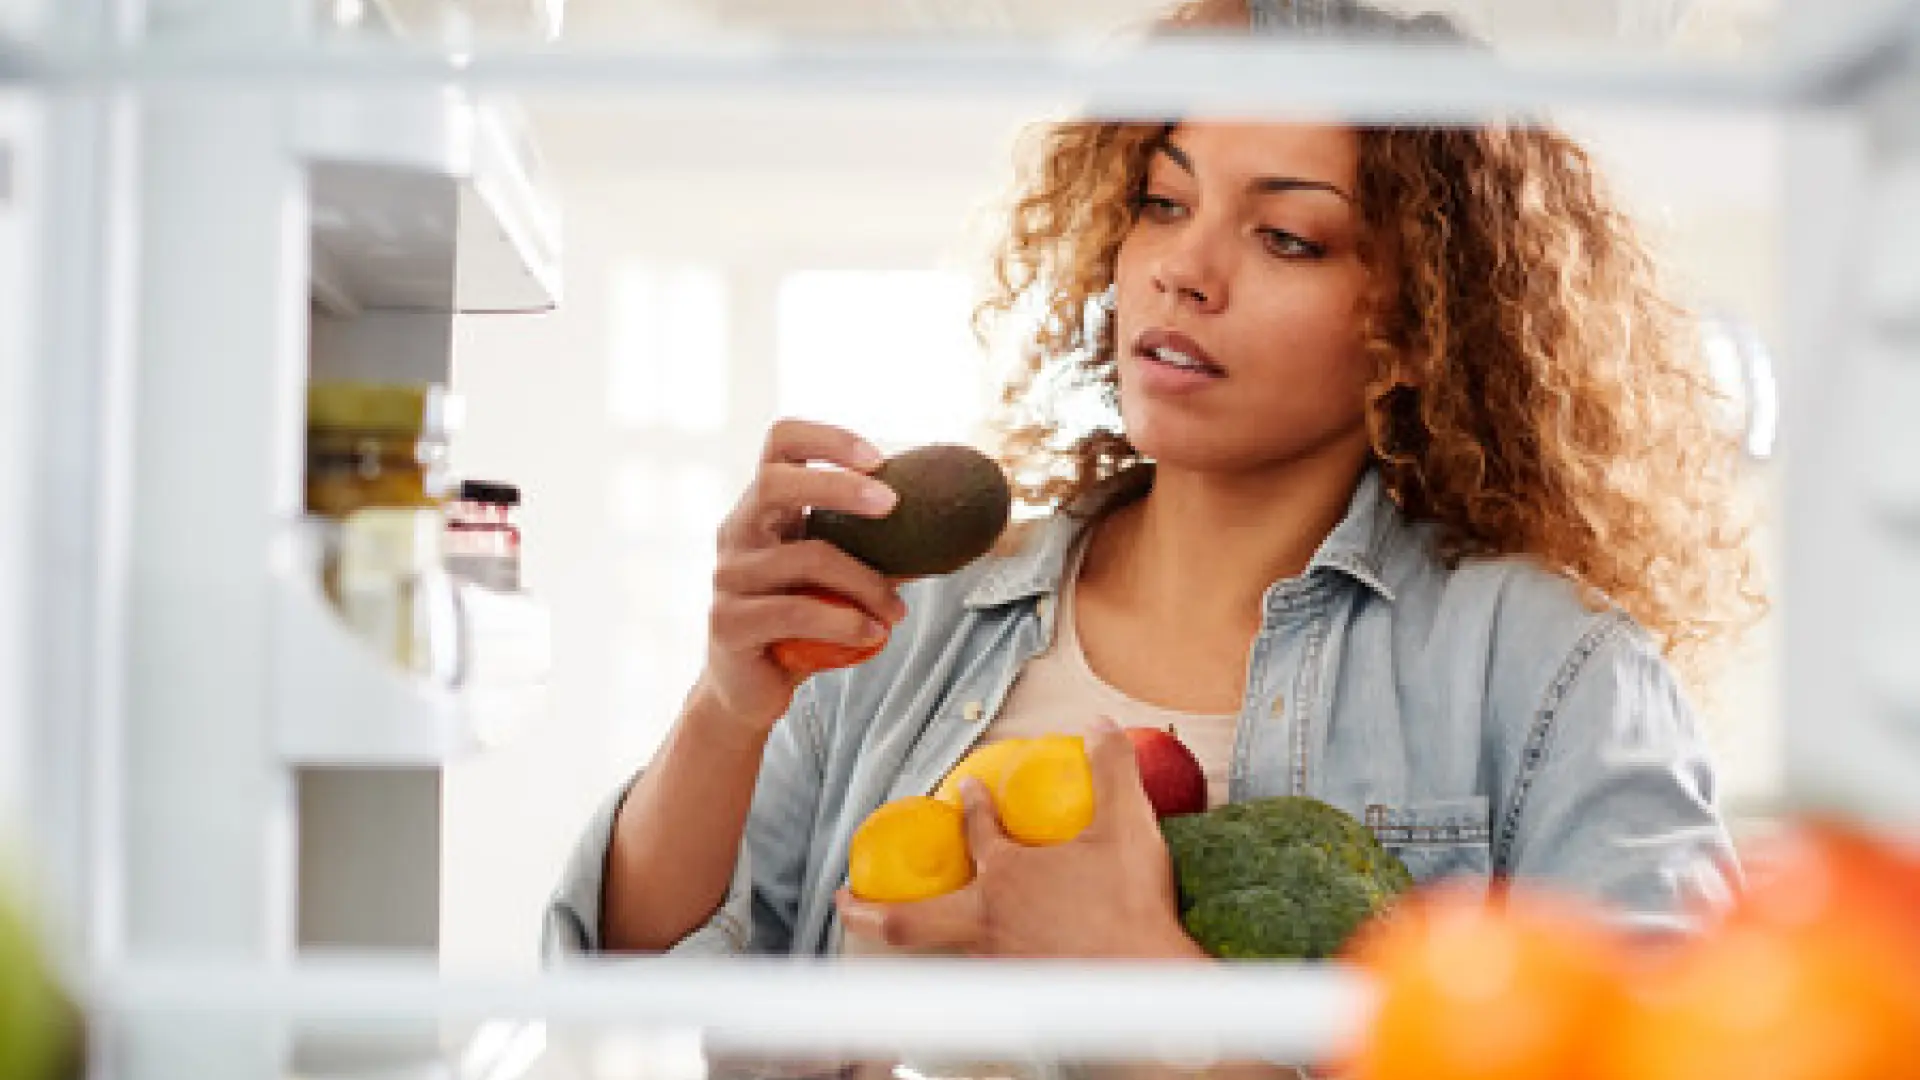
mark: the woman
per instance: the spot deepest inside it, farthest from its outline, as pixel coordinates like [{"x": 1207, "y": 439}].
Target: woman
[{"x": 1416, "y": 507}]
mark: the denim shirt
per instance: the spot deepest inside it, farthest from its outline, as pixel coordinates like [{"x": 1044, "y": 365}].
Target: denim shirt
[{"x": 1480, "y": 718}]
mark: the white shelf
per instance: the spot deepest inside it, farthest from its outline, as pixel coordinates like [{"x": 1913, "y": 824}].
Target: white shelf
[
  {"x": 340, "y": 704},
  {"x": 778, "y": 1008},
  {"x": 450, "y": 22},
  {"x": 20, "y": 20},
  {"x": 427, "y": 200}
]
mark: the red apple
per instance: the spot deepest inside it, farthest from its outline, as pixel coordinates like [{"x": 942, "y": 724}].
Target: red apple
[{"x": 1173, "y": 778}]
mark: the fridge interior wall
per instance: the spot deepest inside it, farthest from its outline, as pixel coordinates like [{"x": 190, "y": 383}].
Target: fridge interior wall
[{"x": 19, "y": 216}]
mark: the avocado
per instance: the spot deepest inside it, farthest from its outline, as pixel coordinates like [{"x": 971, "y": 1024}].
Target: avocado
[{"x": 954, "y": 503}]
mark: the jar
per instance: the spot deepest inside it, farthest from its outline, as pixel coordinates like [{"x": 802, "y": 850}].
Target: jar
[
  {"x": 483, "y": 534},
  {"x": 391, "y": 589},
  {"x": 375, "y": 445}
]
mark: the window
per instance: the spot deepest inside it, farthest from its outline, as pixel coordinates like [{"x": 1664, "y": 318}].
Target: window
[
  {"x": 886, "y": 353},
  {"x": 669, "y": 352}
]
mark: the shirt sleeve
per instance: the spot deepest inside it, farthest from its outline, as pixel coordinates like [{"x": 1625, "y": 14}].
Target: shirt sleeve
[
  {"x": 1614, "y": 795},
  {"x": 762, "y": 899}
]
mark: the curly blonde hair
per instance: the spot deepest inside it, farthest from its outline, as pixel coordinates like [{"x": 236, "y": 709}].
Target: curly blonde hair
[{"x": 1533, "y": 392}]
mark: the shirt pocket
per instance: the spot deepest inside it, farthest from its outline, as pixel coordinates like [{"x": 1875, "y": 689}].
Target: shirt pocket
[{"x": 1437, "y": 838}]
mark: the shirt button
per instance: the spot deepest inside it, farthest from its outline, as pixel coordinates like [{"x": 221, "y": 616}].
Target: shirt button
[
  {"x": 973, "y": 710},
  {"x": 1044, "y": 606}
]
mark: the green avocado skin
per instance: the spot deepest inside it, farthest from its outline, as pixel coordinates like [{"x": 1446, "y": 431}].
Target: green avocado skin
[
  {"x": 1288, "y": 878},
  {"x": 954, "y": 504}
]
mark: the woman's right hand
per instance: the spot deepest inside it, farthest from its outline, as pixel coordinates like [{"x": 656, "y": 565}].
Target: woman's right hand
[{"x": 764, "y": 564}]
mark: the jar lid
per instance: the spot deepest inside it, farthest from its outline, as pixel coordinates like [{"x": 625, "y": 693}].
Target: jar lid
[
  {"x": 406, "y": 408},
  {"x": 490, "y": 492}
]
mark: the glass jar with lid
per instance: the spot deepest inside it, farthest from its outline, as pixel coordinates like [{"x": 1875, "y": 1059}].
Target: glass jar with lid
[
  {"x": 376, "y": 444},
  {"x": 483, "y": 534}
]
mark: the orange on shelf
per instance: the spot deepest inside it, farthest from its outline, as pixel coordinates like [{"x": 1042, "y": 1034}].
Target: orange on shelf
[
  {"x": 1823, "y": 999},
  {"x": 1815, "y": 975},
  {"x": 1475, "y": 989},
  {"x": 1816, "y": 866}
]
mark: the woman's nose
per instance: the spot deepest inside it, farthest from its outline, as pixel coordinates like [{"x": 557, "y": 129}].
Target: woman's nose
[{"x": 1189, "y": 272}]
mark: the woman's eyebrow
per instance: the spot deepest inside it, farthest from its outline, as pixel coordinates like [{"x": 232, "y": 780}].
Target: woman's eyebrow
[{"x": 1262, "y": 184}]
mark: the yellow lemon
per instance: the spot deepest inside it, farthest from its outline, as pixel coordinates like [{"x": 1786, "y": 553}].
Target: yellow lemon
[
  {"x": 910, "y": 849},
  {"x": 1045, "y": 794},
  {"x": 985, "y": 764}
]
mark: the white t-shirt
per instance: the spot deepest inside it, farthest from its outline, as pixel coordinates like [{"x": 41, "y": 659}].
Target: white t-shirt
[{"x": 1058, "y": 693}]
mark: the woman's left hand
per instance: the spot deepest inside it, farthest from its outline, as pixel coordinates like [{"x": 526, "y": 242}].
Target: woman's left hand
[{"x": 1107, "y": 893}]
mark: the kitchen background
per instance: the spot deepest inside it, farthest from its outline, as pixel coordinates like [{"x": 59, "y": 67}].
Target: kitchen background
[{"x": 823, "y": 264}]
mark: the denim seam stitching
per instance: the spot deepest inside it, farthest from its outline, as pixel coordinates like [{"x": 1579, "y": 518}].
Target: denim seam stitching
[
  {"x": 1309, "y": 696},
  {"x": 1535, "y": 751}
]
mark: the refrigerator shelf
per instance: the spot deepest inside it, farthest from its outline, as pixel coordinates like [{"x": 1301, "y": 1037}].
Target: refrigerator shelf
[
  {"x": 426, "y": 201},
  {"x": 340, "y": 704}
]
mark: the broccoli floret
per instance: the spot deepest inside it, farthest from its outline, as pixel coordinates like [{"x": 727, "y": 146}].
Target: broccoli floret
[{"x": 1282, "y": 878}]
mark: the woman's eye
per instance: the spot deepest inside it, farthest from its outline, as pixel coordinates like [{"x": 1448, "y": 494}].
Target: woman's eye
[
  {"x": 1289, "y": 246},
  {"x": 1160, "y": 208}
]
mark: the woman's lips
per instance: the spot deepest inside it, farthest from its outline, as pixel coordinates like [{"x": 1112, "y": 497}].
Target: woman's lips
[
  {"x": 1174, "y": 349},
  {"x": 1172, "y": 363}
]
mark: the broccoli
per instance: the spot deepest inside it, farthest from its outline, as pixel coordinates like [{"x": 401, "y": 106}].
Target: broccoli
[{"x": 1281, "y": 878}]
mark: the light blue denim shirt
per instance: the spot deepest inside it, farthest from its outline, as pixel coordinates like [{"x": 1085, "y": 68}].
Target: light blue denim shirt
[{"x": 1480, "y": 718}]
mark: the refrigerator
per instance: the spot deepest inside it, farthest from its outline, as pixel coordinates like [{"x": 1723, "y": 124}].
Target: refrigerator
[{"x": 235, "y": 815}]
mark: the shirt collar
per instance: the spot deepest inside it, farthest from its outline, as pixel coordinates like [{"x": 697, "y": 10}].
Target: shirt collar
[{"x": 1354, "y": 548}]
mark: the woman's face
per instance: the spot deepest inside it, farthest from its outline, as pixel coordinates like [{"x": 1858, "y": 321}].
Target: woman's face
[{"x": 1239, "y": 294}]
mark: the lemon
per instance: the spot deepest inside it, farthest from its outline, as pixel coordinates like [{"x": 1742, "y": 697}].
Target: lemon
[
  {"x": 985, "y": 764},
  {"x": 1045, "y": 793},
  {"x": 910, "y": 849}
]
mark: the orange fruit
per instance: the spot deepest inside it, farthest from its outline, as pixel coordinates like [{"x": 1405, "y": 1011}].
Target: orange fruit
[
  {"x": 1476, "y": 990},
  {"x": 1820, "y": 866},
  {"x": 1045, "y": 793},
  {"x": 910, "y": 849},
  {"x": 1814, "y": 976},
  {"x": 802, "y": 657},
  {"x": 1821, "y": 1000},
  {"x": 985, "y": 764}
]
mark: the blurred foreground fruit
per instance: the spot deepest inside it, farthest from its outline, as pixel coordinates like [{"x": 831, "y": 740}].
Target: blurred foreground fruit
[
  {"x": 1818, "y": 866},
  {"x": 1753, "y": 1001},
  {"x": 1814, "y": 976},
  {"x": 38, "y": 1032},
  {"x": 1472, "y": 989}
]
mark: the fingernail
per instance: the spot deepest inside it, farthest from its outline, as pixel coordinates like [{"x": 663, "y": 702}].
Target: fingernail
[
  {"x": 876, "y": 630},
  {"x": 1104, "y": 725},
  {"x": 867, "y": 456},
  {"x": 878, "y": 498},
  {"x": 972, "y": 789}
]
